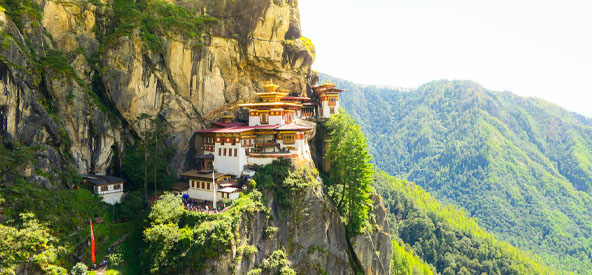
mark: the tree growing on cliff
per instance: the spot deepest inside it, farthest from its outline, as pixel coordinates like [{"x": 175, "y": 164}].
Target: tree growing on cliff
[
  {"x": 148, "y": 160},
  {"x": 350, "y": 173}
]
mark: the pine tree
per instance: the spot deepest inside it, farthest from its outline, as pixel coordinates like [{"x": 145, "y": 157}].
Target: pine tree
[
  {"x": 149, "y": 158},
  {"x": 350, "y": 173}
]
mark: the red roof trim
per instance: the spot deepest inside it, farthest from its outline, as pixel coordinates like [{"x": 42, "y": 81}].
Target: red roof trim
[{"x": 237, "y": 129}]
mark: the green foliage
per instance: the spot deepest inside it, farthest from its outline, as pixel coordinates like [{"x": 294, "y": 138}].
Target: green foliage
[
  {"x": 315, "y": 248},
  {"x": 14, "y": 157},
  {"x": 148, "y": 160},
  {"x": 249, "y": 250},
  {"x": 155, "y": 20},
  {"x": 115, "y": 259},
  {"x": 521, "y": 166},
  {"x": 444, "y": 236},
  {"x": 29, "y": 241},
  {"x": 167, "y": 210},
  {"x": 252, "y": 185},
  {"x": 21, "y": 11},
  {"x": 303, "y": 41},
  {"x": 284, "y": 180},
  {"x": 277, "y": 263},
  {"x": 187, "y": 239},
  {"x": 130, "y": 207},
  {"x": 57, "y": 65},
  {"x": 270, "y": 232},
  {"x": 131, "y": 251},
  {"x": 405, "y": 262},
  {"x": 66, "y": 214},
  {"x": 79, "y": 269},
  {"x": 350, "y": 175}
]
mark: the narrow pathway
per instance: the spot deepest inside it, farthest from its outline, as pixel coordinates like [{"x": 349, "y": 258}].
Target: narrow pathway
[{"x": 101, "y": 270}]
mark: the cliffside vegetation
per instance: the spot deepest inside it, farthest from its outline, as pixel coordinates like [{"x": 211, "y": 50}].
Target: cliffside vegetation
[
  {"x": 146, "y": 163},
  {"x": 153, "y": 20},
  {"x": 350, "y": 175},
  {"x": 521, "y": 166},
  {"x": 179, "y": 240},
  {"x": 28, "y": 241},
  {"x": 55, "y": 223}
]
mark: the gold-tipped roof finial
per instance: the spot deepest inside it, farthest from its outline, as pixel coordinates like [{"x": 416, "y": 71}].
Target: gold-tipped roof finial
[
  {"x": 329, "y": 84},
  {"x": 270, "y": 87}
]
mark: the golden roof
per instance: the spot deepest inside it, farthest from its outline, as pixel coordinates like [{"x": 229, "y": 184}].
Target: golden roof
[{"x": 270, "y": 87}]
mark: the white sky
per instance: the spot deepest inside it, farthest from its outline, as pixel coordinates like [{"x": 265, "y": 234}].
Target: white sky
[{"x": 530, "y": 47}]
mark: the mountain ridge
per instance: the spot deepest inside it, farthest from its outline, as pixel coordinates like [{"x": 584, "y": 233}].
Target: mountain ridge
[{"x": 521, "y": 166}]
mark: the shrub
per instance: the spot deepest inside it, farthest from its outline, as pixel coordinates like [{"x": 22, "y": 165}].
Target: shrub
[{"x": 79, "y": 269}]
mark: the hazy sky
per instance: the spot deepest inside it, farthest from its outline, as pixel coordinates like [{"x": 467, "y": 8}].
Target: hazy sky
[{"x": 533, "y": 48}]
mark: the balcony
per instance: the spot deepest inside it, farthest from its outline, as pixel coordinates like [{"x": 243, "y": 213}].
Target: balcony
[{"x": 266, "y": 144}]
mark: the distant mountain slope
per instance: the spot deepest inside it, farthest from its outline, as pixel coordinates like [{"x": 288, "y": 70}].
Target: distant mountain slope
[
  {"x": 444, "y": 236},
  {"x": 522, "y": 166}
]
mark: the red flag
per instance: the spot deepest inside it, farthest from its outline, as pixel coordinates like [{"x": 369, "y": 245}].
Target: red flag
[{"x": 92, "y": 243}]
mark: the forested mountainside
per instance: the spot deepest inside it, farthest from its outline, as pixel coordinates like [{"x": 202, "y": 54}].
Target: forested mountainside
[
  {"x": 521, "y": 166},
  {"x": 443, "y": 237}
]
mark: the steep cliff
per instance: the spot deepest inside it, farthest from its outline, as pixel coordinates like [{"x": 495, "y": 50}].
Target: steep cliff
[
  {"x": 75, "y": 75},
  {"x": 294, "y": 225}
]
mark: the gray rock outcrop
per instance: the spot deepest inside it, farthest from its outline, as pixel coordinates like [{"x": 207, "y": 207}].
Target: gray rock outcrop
[{"x": 64, "y": 85}]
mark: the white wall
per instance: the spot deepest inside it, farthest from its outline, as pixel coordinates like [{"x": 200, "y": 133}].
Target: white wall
[
  {"x": 254, "y": 120},
  {"x": 275, "y": 120},
  {"x": 208, "y": 195},
  {"x": 110, "y": 189},
  {"x": 326, "y": 112},
  {"x": 201, "y": 194},
  {"x": 112, "y": 198},
  {"x": 230, "y": 164}
]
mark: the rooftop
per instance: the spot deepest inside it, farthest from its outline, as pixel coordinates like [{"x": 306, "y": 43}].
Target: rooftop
[
  {"x": 275, "y": 104},
  {"x": 302, "y": 98},
  {"x": 180, "y": 186},
  {"x": 208, "y": 156},
  {"x": 237, "y": 129},
  {"x": 231, "y": 124},
  {"x": 228, "y": 190},
  {"x": 227, "y": 130},
  {"x": 102, "y": 179},
  {"x": 293, "y": 128},
  {"x": 207, "y": 174}
]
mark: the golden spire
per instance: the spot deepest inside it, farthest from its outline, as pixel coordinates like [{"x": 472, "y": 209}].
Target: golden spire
[
  {"x": 270, "y": 87},
  {"x": 329, "y": 84}
]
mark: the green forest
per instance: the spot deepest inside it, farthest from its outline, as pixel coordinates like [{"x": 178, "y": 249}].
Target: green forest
[
  {"x": 521, "y": 166},
  {"x": 443, "y": 237}
]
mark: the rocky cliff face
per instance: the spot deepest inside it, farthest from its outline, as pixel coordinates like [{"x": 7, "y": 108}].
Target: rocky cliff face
[
  {"x": 68, "y": 86},
  {"x": 313, "y": 236}
]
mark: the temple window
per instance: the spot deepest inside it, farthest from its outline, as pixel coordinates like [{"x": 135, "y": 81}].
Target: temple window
[
  {"x": 264, "y": 118},
  {"x": 288, "y": 139}
]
